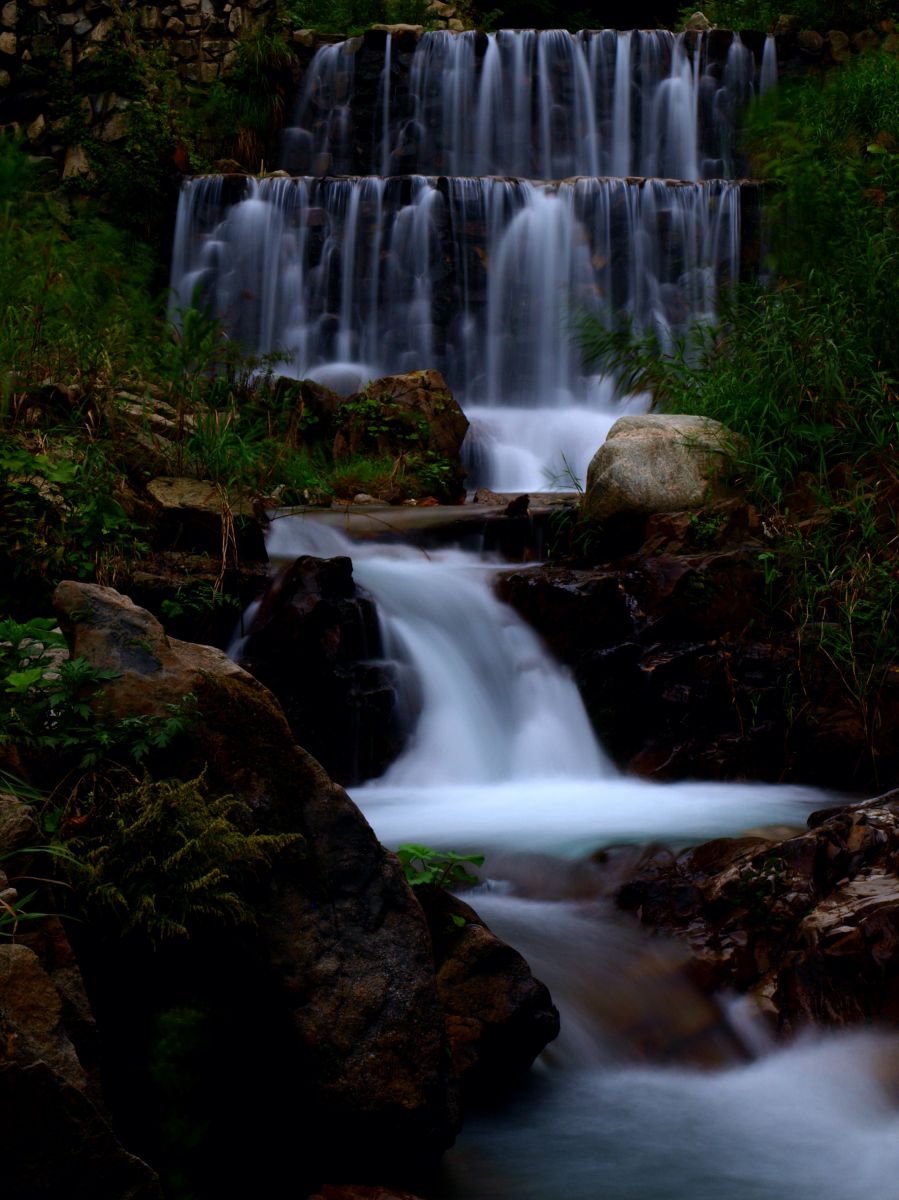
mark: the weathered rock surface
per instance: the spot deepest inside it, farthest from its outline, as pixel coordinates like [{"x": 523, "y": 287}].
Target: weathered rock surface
[
  {"x": 663, "y": 646},
  {"x": 348, "y": 1022},
  {"x": 684, "y": 671},
  {"x": 809, "y": 926},
  {"x": 344, "y": 946},
  {"x": 195, "y": 514},
  {"x": 498, "y": 1016},
  {"x": 312, "y": 642},
  {"x": 657, "y": 463}
]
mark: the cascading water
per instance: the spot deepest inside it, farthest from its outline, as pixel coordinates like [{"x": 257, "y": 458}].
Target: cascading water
[
  {"x": 502, "y": 760},
  {"x": 442, "y": 265},
  {"x": 438, "y": 263}
]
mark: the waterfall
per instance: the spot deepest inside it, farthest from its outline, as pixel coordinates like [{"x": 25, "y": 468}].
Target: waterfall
[
  {"x": 525, "y": 177},
  {"x": 502, "y": 761},
  {"x": 477, "y": 277}
]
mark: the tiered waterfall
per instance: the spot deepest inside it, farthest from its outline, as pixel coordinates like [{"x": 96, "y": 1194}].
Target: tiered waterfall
[{"x": 521, "y": 178}]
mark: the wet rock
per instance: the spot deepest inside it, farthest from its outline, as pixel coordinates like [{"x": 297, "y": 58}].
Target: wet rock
[
  {"x": 657, "y": 463},
  {"x": 809, "y": 926},
  {"x": 499, "y": 1017},
  {"x": 314, "y": 642},
  {"x": 699, "y": 22}
]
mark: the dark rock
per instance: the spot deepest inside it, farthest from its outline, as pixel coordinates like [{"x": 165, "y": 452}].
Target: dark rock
[
  {"x": 56, "y": 1143},
  {"x": 809, "y": 926},
  {"x": 498, "y": 1016},
  {"x": 341, "y": 968},
  {"x": 518, "y": 507},
  {"x": 197, "y": 515},
  {"x": 313, "y": 642}
]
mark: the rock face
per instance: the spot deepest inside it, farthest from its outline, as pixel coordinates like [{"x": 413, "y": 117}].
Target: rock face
[
  {"x": 499, "y": 1017},
  {"x": 663, "y": 648},
  {"x": 344, "y": 957},
  {"x": 56, "y": 1140},
  {"x": 657, "y": 463},
  {"x": 683, "y": 669},
  {"x": 312, "y": 641},
  {"x": 809, "y": 926},
  {"x": 194, "y": 514}
]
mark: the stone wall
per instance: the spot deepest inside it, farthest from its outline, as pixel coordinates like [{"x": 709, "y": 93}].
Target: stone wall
[{"x": 51, "y": 51}]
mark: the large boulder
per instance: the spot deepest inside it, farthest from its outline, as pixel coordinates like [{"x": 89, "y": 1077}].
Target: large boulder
[
  {"x": 342, "y": 964},
  {"x": 315, "y": 641},
  {"x": 658, "y": 463},
  {"x": 499, "y": 1017}
]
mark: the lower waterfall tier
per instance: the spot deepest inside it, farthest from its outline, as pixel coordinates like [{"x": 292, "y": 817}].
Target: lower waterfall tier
[{"x": 347, "y": 279}]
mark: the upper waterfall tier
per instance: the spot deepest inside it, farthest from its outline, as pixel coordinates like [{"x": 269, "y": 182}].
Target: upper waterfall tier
[
  {"x": 476, "y": 277},
  {"x": 536, "y": 105}
]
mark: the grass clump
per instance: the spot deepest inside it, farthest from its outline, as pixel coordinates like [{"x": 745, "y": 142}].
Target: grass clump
[{"x": 354, "y": 16}]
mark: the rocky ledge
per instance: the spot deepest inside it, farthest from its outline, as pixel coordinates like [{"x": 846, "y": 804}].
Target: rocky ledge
[{"x": 809, "y": 926}]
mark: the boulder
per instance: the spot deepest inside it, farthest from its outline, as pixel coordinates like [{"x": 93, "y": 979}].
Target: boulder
[
  {"x": 699, "y": 22},
  {"x": 315, "y": 642},
  {"x": 499, "y": 1017},
  {"x": 414, "y": 419},
  {"x": 658, "y": 463},
  {"x": 340, "y": 974}
]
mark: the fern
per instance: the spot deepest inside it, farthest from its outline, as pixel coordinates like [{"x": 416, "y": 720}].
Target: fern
[{"x": 165, "y": 857}]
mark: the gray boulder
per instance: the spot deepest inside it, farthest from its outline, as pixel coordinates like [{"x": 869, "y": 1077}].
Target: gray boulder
[{"x": 658, "y": 463}]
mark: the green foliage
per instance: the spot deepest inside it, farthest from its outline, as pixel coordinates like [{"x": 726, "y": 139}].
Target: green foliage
[
  {"x": 61, "y": 516},
  {"x": 811, "y": 14},
  {"x": 165, "y": 857},
  {"x": 807, "y": 370},
  {"x": 48, "y": 703},
  {"x": 443, "y": 868}
]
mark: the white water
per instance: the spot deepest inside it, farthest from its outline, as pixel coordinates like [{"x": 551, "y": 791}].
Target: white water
[
  {"x": 445, "y": 264},
  {"x": 503, "y": 761},
  {"x": 535, "y": 105}
]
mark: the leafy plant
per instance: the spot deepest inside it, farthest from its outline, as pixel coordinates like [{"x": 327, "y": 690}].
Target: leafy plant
[
  {"x": 442, "y": 868},
  {"x": 48, "y": 702}
]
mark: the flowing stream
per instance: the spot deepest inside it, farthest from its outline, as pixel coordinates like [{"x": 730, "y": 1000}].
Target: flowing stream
[{"x": 651, "y": 1092}]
